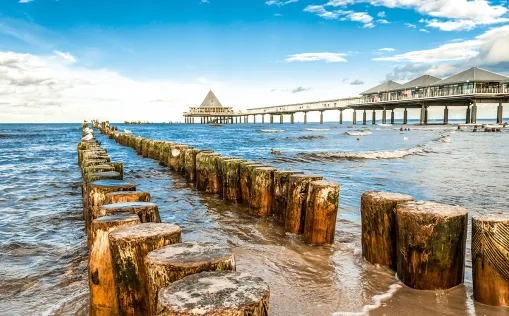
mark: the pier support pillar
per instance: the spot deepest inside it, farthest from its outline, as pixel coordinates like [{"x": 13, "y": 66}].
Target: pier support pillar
[
  {"x": 446, "y": 115},
  {"x": 271, "y": 119},
  {"x": 384, "y": 117},
  {"x": 405, "y": 117},
  {"x": 392, "y": 116},
  {"x": 281, "y": 119},
  {"x": 467, "y": 118},
  {"x": 340, "y": 116},
  {"x": 263, "y": 118},
  {"x": 474, "y": 113},
  {"x": 321, "y": 117},
  {"x": 364, "y": 118},
  {"x": 426, "y": 115},
  {"x": 500, "y": 109},
  {"x": 354, "y": 117},
  {"x": 254, "y": 119},
  {"x": 423, "y": 114},
  {"x": 292, "y": 118},
  {"x": 305, "y": 117},
  {"x": 373, "y": 119}
]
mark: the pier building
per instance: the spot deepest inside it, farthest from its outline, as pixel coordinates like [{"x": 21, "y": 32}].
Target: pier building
[
  {"x": 211, "y": 111},
  {"x": 469, "y": 89}
]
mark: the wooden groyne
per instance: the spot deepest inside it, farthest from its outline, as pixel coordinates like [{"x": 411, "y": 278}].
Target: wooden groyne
[
  {"x": 136, "y": 262},
  {"x": 292, "y": 197}
]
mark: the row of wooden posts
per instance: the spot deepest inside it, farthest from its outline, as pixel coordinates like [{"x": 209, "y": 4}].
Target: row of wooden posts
[
  {"x": 304, "y": 203},
  {"x": 425, "y": 243},
  {"x": 140, "y": 266}
]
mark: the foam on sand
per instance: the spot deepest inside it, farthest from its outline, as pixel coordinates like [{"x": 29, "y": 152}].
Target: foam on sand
[{"x": 377, "y": 302}]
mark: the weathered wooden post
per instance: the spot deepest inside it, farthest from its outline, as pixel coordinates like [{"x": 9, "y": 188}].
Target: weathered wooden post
[
  {"x": 190, "y": 162},
  {"x": 379, "y": 226},
  {"x": 296, "y": 208},
  {"x": 431, "y": 241},
  {"x": 174, "y": 262},
  {"x": 281, "y": 180},
  {"x": 262, "y": 191},
  {"x": 231, "y": 178},
  {"x": 176, "y": 151},
  {"x": 103, "y": 298},
  {"x": 106, "y": 175},
  {"x": 246, "y": 171},
  {"x": 119, "y": 167},
  {"x": 138, "y": 145},
  {"x": 147, "y": 211},
  {"x": 205, "y": 164},
  {"x": 154, "y": 150},
  {"x": 127, "y": 196},
  {"x": 220, "y": 293},
  {"x": 145, "y": 143},
  {"x": 164, "y": 153},
  {"x": 129, "y": 245},
  {"x": 490, "y": 259},
  {"x": 321, "y": 212}
]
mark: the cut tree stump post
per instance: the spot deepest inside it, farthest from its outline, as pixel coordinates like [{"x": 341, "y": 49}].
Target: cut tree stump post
[
  {"x": 127, "y": 196},
  {"x": 145, "y": 142},
  {"x": 431, "y": 242},
  {"x": 147, "y": 211},
  {"x": 262, "y": 191},
  {"x": 190, "y": 162},
  {"x": 138, "y": 147},
  {"x": 379, "y": 226},
  {"x": 205, "y": 164},
  {"x": 296, "y": 208},
  {"x": 321, "y": 212},
  {"x": 231, "y": 178},
  {"x": 119, "y": 167},
  {"x": 221, "y": 293},
  {"x": 246, "y": 171},
  {"x": 129, "y": 245},
  {"x": 490, "y": 259},
  {"x": 164, "y": 155},
  {"x": 281, "y": 181},
  {"x": 174, "y": 262},
  {"x": 96, "y": 194},
  {"x": 103, "y": 298},
  {"x": 107, "y": 175},
  {"x": 176, "y": 151}
]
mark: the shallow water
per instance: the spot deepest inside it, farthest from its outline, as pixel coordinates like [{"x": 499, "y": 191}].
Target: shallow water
[{"x": 43, "y": 247}]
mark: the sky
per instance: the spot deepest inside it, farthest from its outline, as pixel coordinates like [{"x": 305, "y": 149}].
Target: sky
[{"x": 69, "y": 60}]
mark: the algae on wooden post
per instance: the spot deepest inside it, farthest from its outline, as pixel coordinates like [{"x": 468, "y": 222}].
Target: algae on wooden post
[
  {"x": 281, "y": 180},
  {"x": 379, "y": 226},
  {"x": 103, "y": 298},
  {"x": 127, "y": 196},
  {"x": 262, "y": 191},
  {"x": 245, "y": 172},
  {"x": 190, "y": 162},
  {"x": 431, "y": 241},
  {"x": 230, "y": 171},
  {"x": 172, "y": 263},
  {"x": 129, "y": 245},
  {"x": 296, "y": 208},
  {"x": 205, "y": 163},
  {"x": 321, "y": 212},
  {"x": 490, "y": 259},
  {"x": 215, "y": 293}
]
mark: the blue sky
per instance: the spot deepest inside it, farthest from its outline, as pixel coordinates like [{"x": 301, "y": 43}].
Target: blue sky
[{"x": 58, "y": 58}]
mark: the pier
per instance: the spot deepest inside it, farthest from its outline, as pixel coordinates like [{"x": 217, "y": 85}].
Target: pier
[{"x": 469, "y": 89}]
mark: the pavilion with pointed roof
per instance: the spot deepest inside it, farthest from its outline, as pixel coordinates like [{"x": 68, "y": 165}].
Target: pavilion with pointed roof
[{"x": 210, "y": 111}]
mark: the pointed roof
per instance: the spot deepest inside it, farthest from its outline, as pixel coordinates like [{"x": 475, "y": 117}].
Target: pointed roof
[
  {"x": 422, "y": 81},
  {"x": 211, "y": 101},
  {"x": 470, "y": 75},
  {"x": 386, "y": 86}
]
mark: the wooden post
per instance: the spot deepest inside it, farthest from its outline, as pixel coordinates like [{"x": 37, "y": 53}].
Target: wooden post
[
  {"x": 297, "y": 195},
  {"x": 182, "y": 159},
  {"x": 205, "y": 163},
  {"x": 281, "y": 180},
  {"x": 147, "y": 211},
  {"x": 119, "y": 167},
  {"x": 129, "y": 245},
  {"x": 103, "y": 298},
  {"x": 218, "y": 293},
  {"x": 231, "y": 179},
  {"x": 138, "y": 147},
  {"x": 490, "y": 259},
  {"x": 174, "y": 262},
  {"x": 262, "y": 191},
  {"x": 164, "y": 153},
  {"x": 107, "y": 175},
  {"x": 176, "y": 151},
  {"x": 190, "y": 162},
  {"x": 155, "y": 150},
  {"x": 246, "y": 170},
  {"x": 127, "y": 196},
  {"x": 378, "y": 226},
  {"x": 321, "y": 212},
  {"x": 144, "y": 147},
  {"x": 431, "y": 241}
]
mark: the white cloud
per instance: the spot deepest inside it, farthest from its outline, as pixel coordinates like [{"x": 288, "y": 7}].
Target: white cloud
[
  {"x": 280, "y": 3},
  {"x": 387, "y": 49},
  {"x": 463, "y": 24},
  {"x": 67, "y": 56},
  {"x": 410, "y": 25},
  {"x": 327, "y": 57},
  {"x": 25, "y": 1},
  {"x": 489, "y": 48},
  {"x": 423, "y": 30},
  {"x": 381, "y": 14},
  {"x": 342, "y": 15},
  {"x": 204, "y": 1},
  {"x": 382, "y": 21}
]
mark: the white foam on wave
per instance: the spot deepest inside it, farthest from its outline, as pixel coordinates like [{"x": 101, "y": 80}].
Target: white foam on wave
[
  {"x": 372, "y": 154},
  {"x": 317, "y": 129},
  {"x": 127, "y": 131},
  {"x": 357, "y": 133},
  {"x": 377, "y": 302},
  {"x": 272, "y": 130},
  {"x": 383, "y": 125}
]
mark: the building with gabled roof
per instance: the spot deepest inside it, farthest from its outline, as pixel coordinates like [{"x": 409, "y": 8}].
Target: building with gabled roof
[{"x": 210, "y": 111}]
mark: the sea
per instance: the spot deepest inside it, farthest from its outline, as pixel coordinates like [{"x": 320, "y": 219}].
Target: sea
[{"x": 43, "y": 252}]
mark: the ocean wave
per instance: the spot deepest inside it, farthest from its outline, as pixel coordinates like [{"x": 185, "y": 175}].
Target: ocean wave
[
  {"x": 272, "y": 130},
  {"x": 313, "y": 137},
  {"x": 377, "y": 302},
  {"x": 357, "y": 133},
  {"x": 317, "y": 129},
  {"x": 371, "y": 154}
]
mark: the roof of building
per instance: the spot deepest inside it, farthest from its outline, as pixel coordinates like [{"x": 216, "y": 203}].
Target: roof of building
[
  {"x": 473, "y": 74},
  {"x": 386, "y": 86},
  {"x": 422, "y": 81},
  {"x": 211, "y": 101}
]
